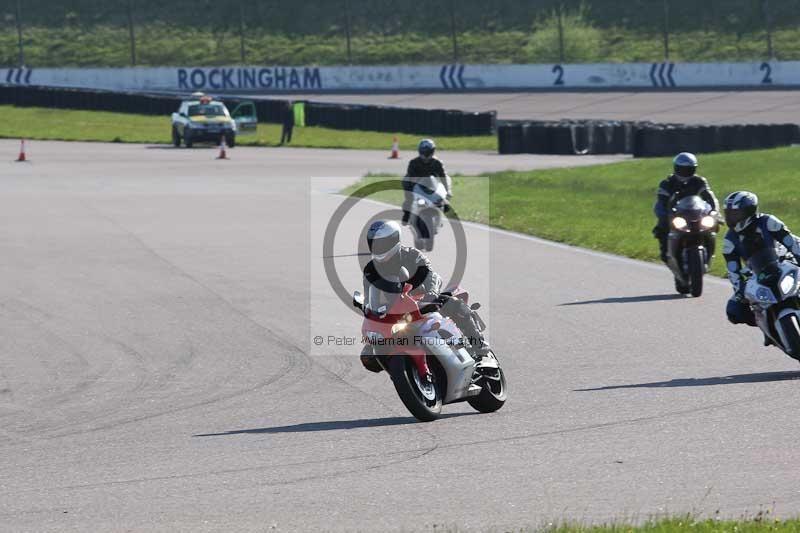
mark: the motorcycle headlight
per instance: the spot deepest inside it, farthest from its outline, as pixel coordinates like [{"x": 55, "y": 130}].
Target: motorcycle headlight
[
  {"x": 420, "y": 202},
  {"x": 400, "y": 326},
  {"x": 679, "y": 222},
  {"x": 788, "y": 284},
  {"x": 708, "y": 222}
]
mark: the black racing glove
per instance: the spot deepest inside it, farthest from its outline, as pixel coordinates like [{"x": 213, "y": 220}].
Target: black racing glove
[{"x": 430, "y": 303}]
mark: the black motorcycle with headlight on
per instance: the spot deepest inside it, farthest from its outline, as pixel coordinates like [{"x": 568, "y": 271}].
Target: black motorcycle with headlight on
[
  {"x": 691, "y": 243},
  {"x": 772, "y": 293}
]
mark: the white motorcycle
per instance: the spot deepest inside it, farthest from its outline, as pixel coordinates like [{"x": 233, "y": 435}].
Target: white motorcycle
[
  {"x": 427, "y": 210},
  {"x": 409, "y": 344},
  {"x": 772, "y": 292}
]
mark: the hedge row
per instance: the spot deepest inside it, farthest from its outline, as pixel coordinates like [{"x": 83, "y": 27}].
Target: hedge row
[
  {"x": 642, "y": 139},
  {"x": 337, "y": 116}
]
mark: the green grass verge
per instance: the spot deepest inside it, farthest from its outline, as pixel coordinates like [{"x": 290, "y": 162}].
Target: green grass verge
[
  {"x": 71, "y": 125},
  {"x": 609, "y": 207},
  {"x": 760, "y": 523}
]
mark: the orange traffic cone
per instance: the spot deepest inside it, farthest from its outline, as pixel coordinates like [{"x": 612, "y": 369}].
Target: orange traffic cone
[
  {"x": 395, "y": 150},
  {"x": 222, "y": 154},
  {"x": 21, "y": 158}
]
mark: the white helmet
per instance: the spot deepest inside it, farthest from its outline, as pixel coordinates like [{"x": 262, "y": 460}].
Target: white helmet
[{"x": 383, "y": 239}]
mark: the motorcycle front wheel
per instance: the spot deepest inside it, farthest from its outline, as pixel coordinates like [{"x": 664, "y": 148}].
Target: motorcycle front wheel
[
  {"x": 424, "y": 232},
  {"x": 791, "y": 332},
  {"x": 422, "y": 399},
  {"x": 493, "y": 393},
  {"x": 696, "y": 271}
]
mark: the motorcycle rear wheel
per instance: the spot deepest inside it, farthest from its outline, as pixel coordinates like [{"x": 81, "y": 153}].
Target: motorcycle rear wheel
[
  {"x": 696, "y": 271},
  {"x": 494, "y": 392},
  {"x": 791, "y": 332},
  {"x": 406, "y": 382}
]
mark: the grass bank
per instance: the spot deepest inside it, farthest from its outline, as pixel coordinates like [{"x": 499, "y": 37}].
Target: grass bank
[
  {"x": 71, "y": 125},
  {"x": 758, "y": 524},
  {"x": 161, "y": 44},
  {"x": 609, "y": 207}
]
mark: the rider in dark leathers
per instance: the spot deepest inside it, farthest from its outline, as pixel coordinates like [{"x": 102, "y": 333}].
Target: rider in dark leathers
[
  {"x": 422, "y": 167},
  {"x": 389, "y": 258},
  {"x": 749, "y": 232},
  {"x": 682, "y": 183}
]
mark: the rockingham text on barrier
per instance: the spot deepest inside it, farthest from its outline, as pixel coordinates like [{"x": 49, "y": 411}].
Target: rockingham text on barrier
[
  {"x": 452, "y": 77},
  {"x": 280, "y": 78}
]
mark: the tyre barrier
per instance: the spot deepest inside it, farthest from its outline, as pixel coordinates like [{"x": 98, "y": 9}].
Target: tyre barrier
[
  {"x": 399, "y": 119},
  {"x": 336, "y": 116},
  {"x": 642, "y": 139}
]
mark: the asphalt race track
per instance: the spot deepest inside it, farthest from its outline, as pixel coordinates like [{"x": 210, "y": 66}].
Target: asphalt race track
[
  {"x": 157, "y": 373},
  {"x": 706, "y": 107}
]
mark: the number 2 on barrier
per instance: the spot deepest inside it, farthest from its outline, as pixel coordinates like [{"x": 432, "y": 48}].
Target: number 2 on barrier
[
  {"x": 768, "y": 74},
  {"x": 558, "y": 70}
]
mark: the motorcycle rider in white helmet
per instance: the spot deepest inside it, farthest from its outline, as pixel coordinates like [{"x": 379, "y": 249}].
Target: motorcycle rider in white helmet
[{"x": 389, "y": 259}]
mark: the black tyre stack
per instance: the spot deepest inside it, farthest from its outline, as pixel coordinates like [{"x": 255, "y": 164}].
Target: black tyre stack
[{"x": 642, "y": 139}]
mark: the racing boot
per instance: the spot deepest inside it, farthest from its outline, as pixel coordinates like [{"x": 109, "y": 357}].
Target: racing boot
[
  {"x": 481, "y": 349},
  {"x": 369, "y": 361},
  {"x": 681, "y": 288},
  {"x": 662, "y": 248}
]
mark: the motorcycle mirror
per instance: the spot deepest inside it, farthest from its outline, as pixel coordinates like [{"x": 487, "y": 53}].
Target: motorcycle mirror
[
  {"x": 358, "y": 299},
  {"x": 475, "y": 306}
]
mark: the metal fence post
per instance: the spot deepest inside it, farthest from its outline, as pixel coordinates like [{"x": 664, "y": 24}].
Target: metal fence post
[
  {"x": 241, "y": 31},
  {"x": 131, "y": 33},
  {"x": 666, "y": 30},
  {"x": 768, "y": 23},
  {"x": 560, "y": 13},
  {"x": 18, "y": 19},
  {"x": 347, "y": 30},
  {"x": 453, "y": 30}
]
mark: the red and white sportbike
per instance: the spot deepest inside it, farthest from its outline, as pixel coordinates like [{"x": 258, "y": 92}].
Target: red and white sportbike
[{"x": 426, "y": 355}]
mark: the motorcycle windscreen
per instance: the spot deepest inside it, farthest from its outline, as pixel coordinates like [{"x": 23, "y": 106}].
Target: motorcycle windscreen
[
  {"x": 382, "y": 295},
  {"x": 692, "y": 208},
  {"x": 429, "y": 184}
]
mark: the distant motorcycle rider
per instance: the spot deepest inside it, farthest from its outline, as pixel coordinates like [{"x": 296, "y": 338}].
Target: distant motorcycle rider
[
  {"x": 423, "y": 166},
  {"x": 682, "y": 183},
  {"x": 389, "y": 259},
  {"x": 749, "y": 232}
]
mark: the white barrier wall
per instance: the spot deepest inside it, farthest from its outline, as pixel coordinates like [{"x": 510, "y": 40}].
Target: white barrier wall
[{"x": 411, "y": 77}]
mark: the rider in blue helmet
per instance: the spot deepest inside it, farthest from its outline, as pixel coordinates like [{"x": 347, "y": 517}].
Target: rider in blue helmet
[
  {"x": 749, "y": 232},
  {"x": 683, "y": 182}
]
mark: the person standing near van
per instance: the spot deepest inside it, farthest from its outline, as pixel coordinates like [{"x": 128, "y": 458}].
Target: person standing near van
[{"x": 288, "y": 123}]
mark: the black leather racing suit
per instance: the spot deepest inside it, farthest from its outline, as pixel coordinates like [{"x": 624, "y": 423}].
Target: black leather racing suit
[
  {"x": 739, "y": 246},
  {"x": 424, "y": 280},
  {"x": 672, "y": 190},
  {"x": 422, "y": 167}
]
